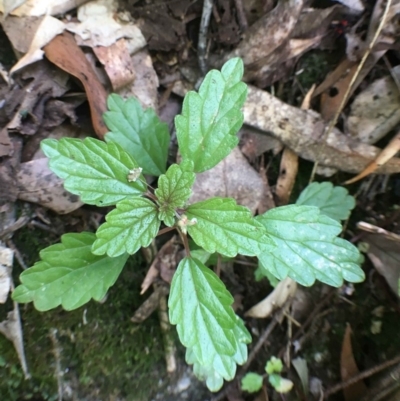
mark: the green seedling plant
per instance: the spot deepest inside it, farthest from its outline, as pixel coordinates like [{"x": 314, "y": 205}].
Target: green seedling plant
[
  {"x": 252, "y": 382},
  {"x": 299, "y": 241}
]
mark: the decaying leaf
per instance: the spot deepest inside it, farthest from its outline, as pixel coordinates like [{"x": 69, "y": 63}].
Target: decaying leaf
[
  {"x": 48, "y": 28},
  {"x": 99, "y": 26},
  {"x": 384, "y": 156},
  {"x": 117, "y": 63},
  {"x": 376, "y": 110},
  {"x": 6, "y": 261},
  {"x": 38, "y": 184},
  {"x": 6, "y": 6},
  {"x": 233, "y": 177},
  {"x": 384, "y": 252},
  {"x": 66, "y": 54},
  {"x": 38, "y": 8},
  {"x": 276, "y": 299},
  {"x": 348, "y": 369}
]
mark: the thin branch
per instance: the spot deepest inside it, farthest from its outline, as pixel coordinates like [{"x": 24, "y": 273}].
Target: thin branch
[
  {"x": 353, "y": 80},
  {"x": 361, "y": 376},
  {"x": 202, "y": 43}
]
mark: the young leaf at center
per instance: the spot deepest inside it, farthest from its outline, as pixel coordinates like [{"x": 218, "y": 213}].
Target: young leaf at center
[
  {"x": 68, "y": 275},
  {"x": 134, "y": 223},
  {"x": 220, "y": 225},
  {"x": 174, "y": 189}
]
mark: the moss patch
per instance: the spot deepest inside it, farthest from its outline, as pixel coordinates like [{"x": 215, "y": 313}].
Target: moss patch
[{"x": 103, "y": 354}]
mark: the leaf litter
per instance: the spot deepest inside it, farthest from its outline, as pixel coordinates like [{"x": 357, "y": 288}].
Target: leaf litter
[{"x": 107, "y": 52}]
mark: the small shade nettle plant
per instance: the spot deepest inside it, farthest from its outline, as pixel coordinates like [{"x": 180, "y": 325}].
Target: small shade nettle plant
[{"x": 298, "y": 241}]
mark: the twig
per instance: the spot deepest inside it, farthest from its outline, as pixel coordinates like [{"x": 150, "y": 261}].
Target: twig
[
  {"x": 353, "y": 80},
  {"x": 241, "y": 15},
  {"x": 202, "y": 43},
  {"x": 361, "y": 376},
  {"x": 57, "y": 358}
]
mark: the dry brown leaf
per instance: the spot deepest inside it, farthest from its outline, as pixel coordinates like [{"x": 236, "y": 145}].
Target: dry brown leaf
[
  {"x": 268, "y": 33},
  {"x": 348, "y": 369},
  {"x": 48, "y": 28},
  {"x": 303, "y": 132},
  {"x": 287, "y": 176},
  {"x": 6, "y": 262},
  {"x": 43, "y": 82},
  {"x": 38, "y": 8},
  {"x": 6, "y": 6},
  {"x": 66, "y": 54},
  {"x": 384, "y": 252},
  {"x": 36, "y": 183},
  {"x": 384, "y": 157},
  {"x": 276, "y": 299},
  {"x": 99, "y": 26},
  {"x": 117, "y": 63},
  {"x": 144, "y": 87},
  {"x": 233, "y": 177},
  {"x": 254, "y": 144},
  {"x": 332, "y": 98},
  {"x": 376, "y": 110},
  {"x": 11, "y": 328}
]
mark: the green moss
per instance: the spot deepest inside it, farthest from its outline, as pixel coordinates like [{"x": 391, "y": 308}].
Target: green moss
[{"x": 103, "y": 353}]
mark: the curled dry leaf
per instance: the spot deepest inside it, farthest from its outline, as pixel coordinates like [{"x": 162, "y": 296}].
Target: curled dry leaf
[
  {"x": 281, "y": 293},
  {"x": 384, "y": 252},
  {"x": 66, "y": 54},
  {"x": 48, "y": 28},
  {"x": 384, "y": 157}
]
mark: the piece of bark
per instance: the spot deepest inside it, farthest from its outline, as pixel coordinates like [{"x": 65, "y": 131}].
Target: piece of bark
[{"x": 303, "y": 131}]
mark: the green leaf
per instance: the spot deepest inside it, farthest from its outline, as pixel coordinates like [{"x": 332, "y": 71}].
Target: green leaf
[
  {"x": 334, "y": 202},
  {"x": 252, "y": 382},
  {"x": 274, "y": 365},
  {"x": 207, "y": 128},
  {"x": 307, "y": 248},
  {"x": 140, "y": 132},
  {"x": 68, "y": 275},
  {"x": 200, "y": 306},
  {"x": 96, "y": 171},
  {"x": 223, "y": 366},
  {"x": 220, "y": 225},
  {"x": 280, "y": 384},
  {"x": 133, "y": 224},
  {"x": 174, "y": 189}
]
